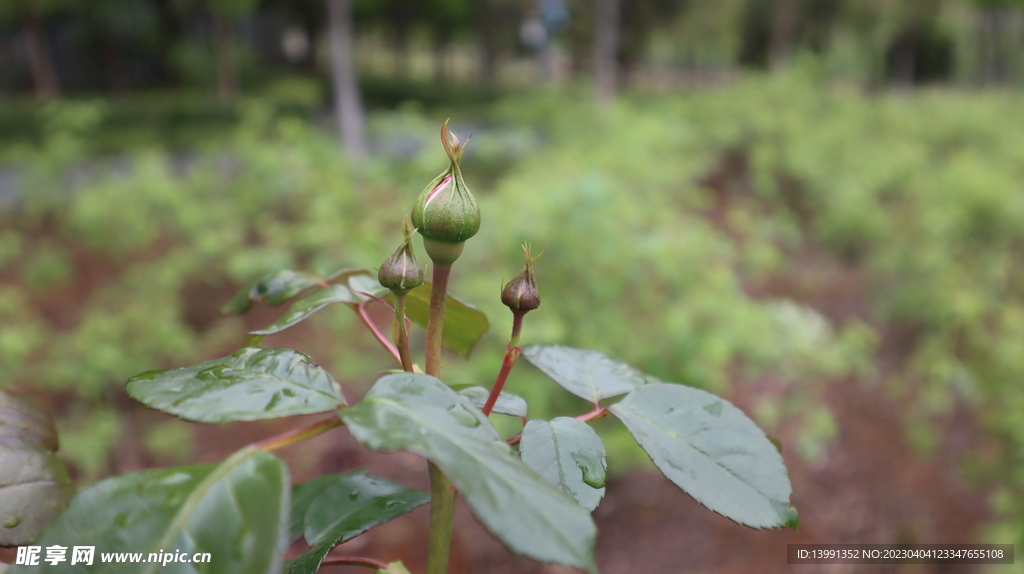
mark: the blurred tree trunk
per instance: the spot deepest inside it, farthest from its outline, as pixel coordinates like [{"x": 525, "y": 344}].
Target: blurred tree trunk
[
  {"x": 39, "y": 61},
  {"x": 348, "y": 106},
  {"x": 905, "y": 61},
  {"x": 606, "y": 46},
  {"x": 226, "y": 59},
  {"x": 487, "y": 34},
  {"x": 780, "y": 47}
]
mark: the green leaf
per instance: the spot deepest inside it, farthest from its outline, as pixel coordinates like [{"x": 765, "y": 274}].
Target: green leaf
[
  {"x": 421, "y": 414},
  {"x": 253, "y": 383},
  {"x": 302, "y": 496},
  {"x": 568, "y": 454},
  {"x": 236, "y": 511},
  {"x": 349, "y": 505},
  {"x": 464, "y": 324},
  {"x": 274, "y": 289},
  {"x": 711, "y": 450},
  {"x": 34, "y": 485},
  {"x": 365, "y": 285},
  {"x": 588, "y": 374},
  {"x": 507, "y": 403},
  {"x": 306, "y": 306}
]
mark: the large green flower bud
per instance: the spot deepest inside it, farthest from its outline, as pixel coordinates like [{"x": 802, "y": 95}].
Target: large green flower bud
[
  {"x": 401, "y": 273},
  {"x": 446, "y": 213}
]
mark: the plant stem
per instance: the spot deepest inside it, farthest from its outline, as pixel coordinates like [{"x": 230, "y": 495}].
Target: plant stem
[
  {"x": 355, "y": 561},
  {"x": 442, "y": 518},
  {"x": 383, "y": 340},
  {"x": 598, "y": 413},
  {"x": 512, "y": 353},
  {"x": 435, "y": 318},
  {"x": 442, "y": 493},
  {"x": 297, "y": 435},
  {"x": 402, "y": 333}
]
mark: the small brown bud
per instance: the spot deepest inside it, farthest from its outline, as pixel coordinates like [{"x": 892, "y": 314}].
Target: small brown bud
[{"x": 521, "y": 294}]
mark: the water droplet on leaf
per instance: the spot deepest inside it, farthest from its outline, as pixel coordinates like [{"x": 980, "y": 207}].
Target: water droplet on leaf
[
  {"x": 714, "y": 408},
  {"x": 463, "y": 416},
  {"x": 594, "y": 468}
]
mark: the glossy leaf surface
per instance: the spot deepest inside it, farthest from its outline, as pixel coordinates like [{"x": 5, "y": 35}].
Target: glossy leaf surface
[
  {"x": 347, "y": 506},
  {"x": 34, "y": 484},
  {"x": 588, "y": 374},
  {"x": 464, "y": 324},
  {"x": 507, "y": 403},
  {"x": 711, "y": 450},
  {"x": 236, "y": 511},
  {"x": 253, "y": 383},
  {"x": 303, "y": 495},
  {"x": 305, "y": 307},
  {"x": 568, "y": 454},
  {"x": 421, "y": 414},
  {"x": 274, "y": 289}
]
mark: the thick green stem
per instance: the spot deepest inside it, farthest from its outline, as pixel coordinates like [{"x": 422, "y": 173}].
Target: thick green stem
[
  {"x": 435, "y": 319},
  {"x": 402, "y": 333},
  {"x": 442, "y": 517},
  {"x": 442, "y": 493}
]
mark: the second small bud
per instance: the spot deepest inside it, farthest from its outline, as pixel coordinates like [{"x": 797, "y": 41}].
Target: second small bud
[
  {"x": 521, "y": 294},
  {"x": 401, "y": 273}
]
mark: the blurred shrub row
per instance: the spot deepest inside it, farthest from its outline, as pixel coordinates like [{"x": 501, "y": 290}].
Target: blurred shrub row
[{"x": 770, "y": 233}]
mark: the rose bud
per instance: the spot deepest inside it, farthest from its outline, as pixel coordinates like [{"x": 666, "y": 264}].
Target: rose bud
[
  {"x": 401, "y": 273},
  {"x": 521, "y": 294},
  {"x": 446, "y": 213}
]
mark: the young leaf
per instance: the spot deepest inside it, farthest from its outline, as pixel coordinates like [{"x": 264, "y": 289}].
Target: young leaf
[
  {"x": 349, "y": 505},
  {"x": 303, "y": 308},
  {"x": 568, "y": 454},
  {"x": 464, "y": 324},
  {"x": 236, "y": 511},
  {"x": 711, "y": 450},
  {"x": 34, "y": 485},
  {"x": 507, "y": 403},
  {"x": 274, "y": 289},
  {"x": 253, "y": 383},
  {"x": 421, "y": 414},
  {"x": 588, "y": 374}
]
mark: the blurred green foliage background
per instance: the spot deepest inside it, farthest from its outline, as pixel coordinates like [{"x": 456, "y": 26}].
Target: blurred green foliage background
[{"x": 766, "y": 210}]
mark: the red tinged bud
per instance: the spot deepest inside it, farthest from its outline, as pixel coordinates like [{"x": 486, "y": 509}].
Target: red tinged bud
[
  {"x": 446, "y": 213},
  {"x": 521, "y": 294}
]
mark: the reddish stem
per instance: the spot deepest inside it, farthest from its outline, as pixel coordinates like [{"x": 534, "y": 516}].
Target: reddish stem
[
  {"x": 355, "y": 561},
  {"x": 384, "y": 341},
  {"x": 598, "y": 413},
  {"x": 296, "y": 435},
  {"x": 512, "y": 353}
]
